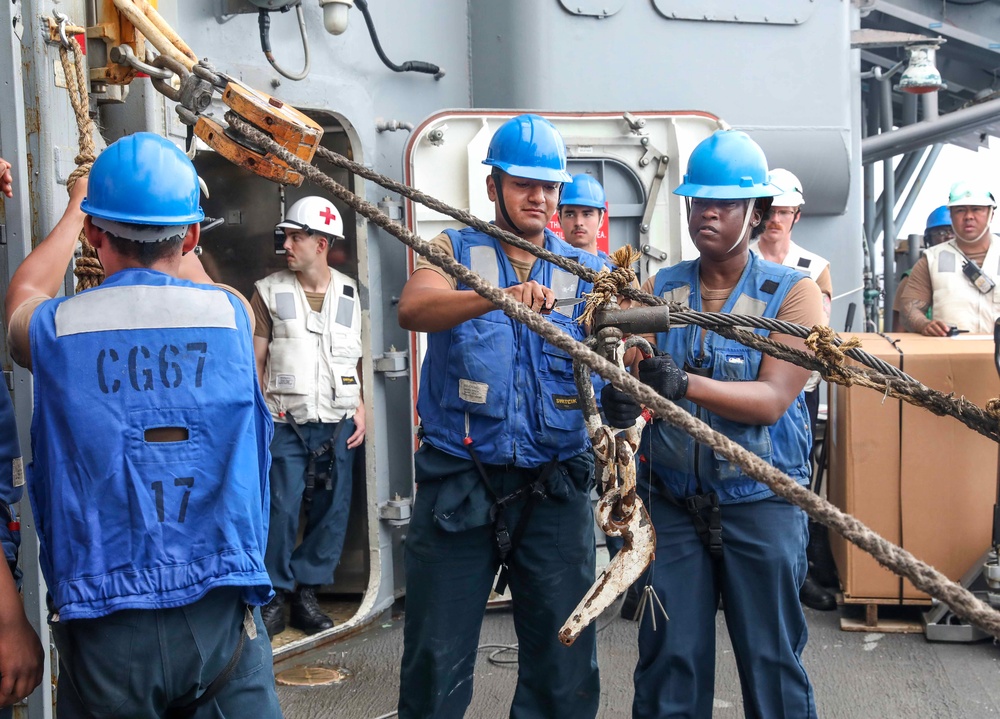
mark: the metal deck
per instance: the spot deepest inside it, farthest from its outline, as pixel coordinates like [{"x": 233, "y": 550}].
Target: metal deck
[{"x": 855, "y": 675}]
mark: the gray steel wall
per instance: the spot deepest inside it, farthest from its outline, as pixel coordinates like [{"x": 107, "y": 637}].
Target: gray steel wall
[
  {"x": 348, "y": 80},
  {"x": 793, "y": 86}
]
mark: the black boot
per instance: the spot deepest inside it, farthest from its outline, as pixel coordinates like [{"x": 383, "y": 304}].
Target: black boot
[
  {"x": 813, "y": 595},
  {"x": 273, "y": 614},
  {"x": 822, "y": 568},
  {"x": 630, "y": 606},
  {"x": 306, "y": 614}
]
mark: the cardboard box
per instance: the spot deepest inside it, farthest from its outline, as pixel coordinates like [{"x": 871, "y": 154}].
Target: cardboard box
[
  {"x": 864, "y": 477},
  {"x": 925, "y": 482}
]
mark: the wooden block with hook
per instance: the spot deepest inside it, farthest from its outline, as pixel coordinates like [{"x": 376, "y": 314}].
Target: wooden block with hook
[{"x": 289, "y": 127}]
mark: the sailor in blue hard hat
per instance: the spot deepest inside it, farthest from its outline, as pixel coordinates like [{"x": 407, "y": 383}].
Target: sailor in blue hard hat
[
  {"x": 728, "y": 535},
  {"x": 149, "y": 442},
  {"x": 582, "y": 205},
  {"x": 937, "y": 230},
  {"x": 956, "y": 281},
  {"x": 499, "y": 412}
]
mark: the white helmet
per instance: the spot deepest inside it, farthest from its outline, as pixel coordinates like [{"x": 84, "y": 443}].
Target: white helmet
[
  {"x": 972, "y": 193},
  {"x": 791, "y": 189},
  {"x": 314, "y": 214}
]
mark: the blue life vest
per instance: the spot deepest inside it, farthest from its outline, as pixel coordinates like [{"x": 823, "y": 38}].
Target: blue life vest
[
  {"x": 689, "y": 468},
  {"x": 11, "y": 481},
  {"x": 126, "y": 521},
  {"x": 494, "y": 380}
]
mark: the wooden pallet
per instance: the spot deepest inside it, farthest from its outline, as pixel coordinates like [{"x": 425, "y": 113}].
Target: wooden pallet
[{"x": 886, "y": 618}]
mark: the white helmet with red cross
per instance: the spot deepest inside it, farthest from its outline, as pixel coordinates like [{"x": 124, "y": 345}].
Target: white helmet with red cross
[{"x": 314, "y": 214}]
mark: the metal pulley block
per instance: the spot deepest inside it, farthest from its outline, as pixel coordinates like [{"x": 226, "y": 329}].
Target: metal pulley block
[{"x": 290, "y": 128}]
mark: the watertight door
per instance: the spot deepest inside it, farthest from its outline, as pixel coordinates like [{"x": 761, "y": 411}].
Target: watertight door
[
  {"x": 243, "y": 249},
  {"x": 639, "y": 157}
]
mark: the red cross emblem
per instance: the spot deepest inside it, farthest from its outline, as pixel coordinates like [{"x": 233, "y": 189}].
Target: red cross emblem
[{"x": 327, "y": 214}]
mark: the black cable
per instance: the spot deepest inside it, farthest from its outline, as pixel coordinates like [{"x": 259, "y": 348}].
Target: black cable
[
  {"x": 264, "y": 23},
  {"x": 408, "y": 66}
]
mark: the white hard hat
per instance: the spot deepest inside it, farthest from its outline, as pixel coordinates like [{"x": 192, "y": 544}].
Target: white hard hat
[
  {"x": 314, "y": 214},
  {"x": 791, "y": 189},
  {"x": 970, "y": 193}
]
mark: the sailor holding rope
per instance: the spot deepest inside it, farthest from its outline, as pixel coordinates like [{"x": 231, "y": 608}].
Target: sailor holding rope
[{"x": 721, "y": 534}]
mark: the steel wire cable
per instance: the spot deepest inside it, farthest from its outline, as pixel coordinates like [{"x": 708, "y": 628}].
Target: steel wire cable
[
  {"x": 898, "y": 560},
  {"x": 678, "y": 314}
]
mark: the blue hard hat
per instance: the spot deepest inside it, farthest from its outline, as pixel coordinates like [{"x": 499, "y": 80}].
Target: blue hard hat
[
  {"x": 727, "y": 166},
  {"x": 941, "y": 217},
  {"x": 144, "y": 179},
  {"x": 529, "y": 146},
  {"x": 584, "y": 191}
]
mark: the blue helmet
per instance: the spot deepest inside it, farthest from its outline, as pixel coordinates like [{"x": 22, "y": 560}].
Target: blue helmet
[
  {"x": 529, "y": 146},
  {"x": 584, "y": 191},
  {"x": 727, "y": 166},
  {"x": 941, "y": 217},
  {"x": 144, "y": 179}
]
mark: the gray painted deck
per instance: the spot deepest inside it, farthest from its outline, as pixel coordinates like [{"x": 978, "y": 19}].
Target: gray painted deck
[{"x": 856, "y": 675}]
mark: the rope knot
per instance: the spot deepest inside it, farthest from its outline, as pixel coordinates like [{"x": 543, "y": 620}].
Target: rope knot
[
  {"x": 822, "y": 342},
  {"x": 609, "y": 285}
]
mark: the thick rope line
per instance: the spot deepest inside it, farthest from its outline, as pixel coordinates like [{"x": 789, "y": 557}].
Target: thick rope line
[
  {"x": 88, "y": 270},
  {"x": 465, "y": 218},
  {"x": 896, "y": 559},
  {"x": 679, "y": 313},
  {"x": 896, "y": 383},
  {"x": 831, "y": 365}
]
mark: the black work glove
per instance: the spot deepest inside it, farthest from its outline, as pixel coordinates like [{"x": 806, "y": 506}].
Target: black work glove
[
  {"x": 664, "y": 376},
  {"x": 619, "y": 407}
]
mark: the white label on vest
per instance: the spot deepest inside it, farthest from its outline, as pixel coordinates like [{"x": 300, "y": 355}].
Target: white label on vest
[
  {"x": 474, "y": 392},
  {"x": 284, "y": 381},
  {"x": 345, "y": 312},
  {"x": 18, "y": 471},
  {"x": 140, "y": 307},
  {"x": 284, "y": 305}
]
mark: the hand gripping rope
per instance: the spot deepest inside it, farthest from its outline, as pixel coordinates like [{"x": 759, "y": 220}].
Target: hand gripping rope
[{"x": 894, "y": 558}]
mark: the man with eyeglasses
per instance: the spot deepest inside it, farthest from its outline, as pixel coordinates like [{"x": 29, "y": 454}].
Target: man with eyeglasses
[{"x": 957, "y": 278}]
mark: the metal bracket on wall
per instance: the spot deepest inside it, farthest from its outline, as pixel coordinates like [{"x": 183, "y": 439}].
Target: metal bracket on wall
[
  {"x": 18, "y": 23},
  {"x": 654, "y": 188},
  {"x": 654, "y": 253},
  {"x": 396, "y": 511},
  {"x": 393, "y": 364},
  {"x": 592, "y": 8},
  {"x": 770, "y": 12}
]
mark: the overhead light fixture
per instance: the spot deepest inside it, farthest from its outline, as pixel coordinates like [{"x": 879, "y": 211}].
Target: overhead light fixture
[
  {"x": 921, "y": 74},
  {"x": 335, "y": 14}
]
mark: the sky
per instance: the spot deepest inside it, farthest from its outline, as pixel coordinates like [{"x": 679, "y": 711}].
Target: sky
[{"x": 953, "y": 164}]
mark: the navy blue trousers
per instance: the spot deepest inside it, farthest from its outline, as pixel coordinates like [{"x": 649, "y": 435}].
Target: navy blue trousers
[
  {"x": 313, "y": 561},
  {"x": 763, "y": 566},
  {"x": 140, "y": 662},
  {"x": 449, "y": 575}
]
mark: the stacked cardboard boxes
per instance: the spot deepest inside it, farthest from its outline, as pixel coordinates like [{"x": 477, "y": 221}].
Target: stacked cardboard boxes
[{"x": 925, "y": 482}]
